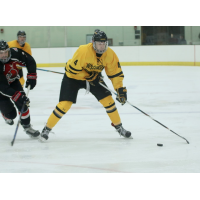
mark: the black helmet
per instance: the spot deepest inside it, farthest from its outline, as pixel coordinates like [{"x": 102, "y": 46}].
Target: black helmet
[
  {"x": 4, "y": 47},
  {"x": 22, "y": 33},
  {"x": 99, "y": 36}
]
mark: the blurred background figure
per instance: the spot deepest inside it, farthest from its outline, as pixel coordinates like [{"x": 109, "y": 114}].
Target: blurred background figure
[
  {"x": 181, "y": 40},
  {"x": 21, "y": 44},
  {"x": 172, "y": 39}
]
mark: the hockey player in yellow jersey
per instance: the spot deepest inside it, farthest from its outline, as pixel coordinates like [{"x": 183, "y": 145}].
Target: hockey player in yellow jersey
[
  {"x": 21, "y": 44},
  {"x": 84, "y": 71}
]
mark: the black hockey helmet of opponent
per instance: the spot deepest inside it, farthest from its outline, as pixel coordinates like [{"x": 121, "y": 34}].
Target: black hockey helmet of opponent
[
  {"x": 100, "y": 41},
  {"x": 5, "y": 53},
  {"x": 21, "y": 37}
]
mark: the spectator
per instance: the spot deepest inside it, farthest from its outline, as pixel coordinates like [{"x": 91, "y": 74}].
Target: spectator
[
  {"x": 173, "y": 40},
  {"x": 181, "y": 40}
]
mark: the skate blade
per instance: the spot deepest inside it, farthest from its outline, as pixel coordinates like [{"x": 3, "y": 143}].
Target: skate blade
[
  {"x": 41, "y": 139},
  {"x": 32, "y": 137},
  {"x": 129, "y": 137}
]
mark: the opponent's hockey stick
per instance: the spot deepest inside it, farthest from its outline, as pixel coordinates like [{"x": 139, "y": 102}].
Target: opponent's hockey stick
[
  {"x": 22, "y": 110},
  {"x": 49, "y": 71},
  {"x": 143, "y": 112},
  {"x": 45, "y": 70}
]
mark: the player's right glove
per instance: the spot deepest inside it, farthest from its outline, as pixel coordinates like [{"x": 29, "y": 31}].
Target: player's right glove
[
  {"x": 20, "y": 98},
  {"x": 93, "y": 78},
  {"x": 122, "y": 95}
]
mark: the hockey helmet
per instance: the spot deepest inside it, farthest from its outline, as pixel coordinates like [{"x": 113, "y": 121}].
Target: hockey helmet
[
  {"x": 99, "y": 36},
  {"x": 4, "y": 48},
  {"x": 21, "y": 41},
  {"x": 22, "y": 33}
]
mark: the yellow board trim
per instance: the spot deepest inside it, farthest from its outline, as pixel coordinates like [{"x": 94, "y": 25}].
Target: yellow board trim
[
  {"x": 51, "y": 65},
  {"x": 132, "y": 64}
]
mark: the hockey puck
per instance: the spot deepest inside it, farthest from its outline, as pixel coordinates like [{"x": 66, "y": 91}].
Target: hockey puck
[{"x": 160, "y": 145}]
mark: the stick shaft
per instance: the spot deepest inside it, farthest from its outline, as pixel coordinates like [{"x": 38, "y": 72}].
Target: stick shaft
[
  {"x": 46, "y": 70},
  {"x": 22, "y": 110},
  {"x": 144, "y": 113}
]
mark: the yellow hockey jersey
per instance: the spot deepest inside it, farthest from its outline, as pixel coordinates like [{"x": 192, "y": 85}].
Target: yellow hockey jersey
[
  {"x": 85, "y": 60},
  {"x": 26, "y": 47}
]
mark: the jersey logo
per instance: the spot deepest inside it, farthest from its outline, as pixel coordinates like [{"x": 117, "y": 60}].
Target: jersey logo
[
  {"x": 15, "y": 49},
  {"x": 75, "y": 62},
  {"x": 11, "y": 71}
]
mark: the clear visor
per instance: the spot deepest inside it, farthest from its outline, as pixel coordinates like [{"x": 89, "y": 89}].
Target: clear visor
[
  {"x": 4, "y": 51},
  {"x": 5, "y": 55},
  {"x": 100, "y": 46},
  {"x": 21, "y": 39}
]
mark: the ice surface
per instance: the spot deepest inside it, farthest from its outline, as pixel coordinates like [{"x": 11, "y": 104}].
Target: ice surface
[{"x": 85, "y": 142}]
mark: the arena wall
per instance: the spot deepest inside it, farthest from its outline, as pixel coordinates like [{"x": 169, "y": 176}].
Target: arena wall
[{"x": 182, "y": 55}]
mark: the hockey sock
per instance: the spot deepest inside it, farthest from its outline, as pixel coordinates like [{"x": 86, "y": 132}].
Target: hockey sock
[
  {"x": 25, "y": 118},
  {"x": 111, "y": 109},
  {"x": 61, "y": 108}
]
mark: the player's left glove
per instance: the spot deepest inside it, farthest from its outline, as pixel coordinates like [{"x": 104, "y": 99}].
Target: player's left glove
[
  {"x": 31, "y": 80},
  {"x": 93, "y": 78},
  {"x": 122, "y": 95}
]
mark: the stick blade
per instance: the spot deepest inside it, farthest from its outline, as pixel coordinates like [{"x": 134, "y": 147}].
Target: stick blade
[{"x": 12, "y": 143}]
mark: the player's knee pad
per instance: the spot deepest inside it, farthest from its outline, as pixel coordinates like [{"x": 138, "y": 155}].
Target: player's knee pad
[
  {"x": 6, "y": 106},
  {"x": 109, "y": 104},
  {"x": 62, "y": 107},
  {"x": 12, "y": 114}
]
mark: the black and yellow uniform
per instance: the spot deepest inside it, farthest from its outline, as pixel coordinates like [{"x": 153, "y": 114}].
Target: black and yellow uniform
[
  {"x": 27, "y": 48},
  {"x": 84, "y": 62}
]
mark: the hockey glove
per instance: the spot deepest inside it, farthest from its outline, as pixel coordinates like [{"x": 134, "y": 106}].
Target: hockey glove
[
  {"x": 20, "y": 98},
  {"x": 31, "y": 80},
  {"x": 93, "y": 78},
  {"x": 122, "y": 95}
]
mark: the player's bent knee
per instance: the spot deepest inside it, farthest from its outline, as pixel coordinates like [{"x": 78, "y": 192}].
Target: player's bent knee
[
  {"x": 108, "y": 103},
  {"x": 12, "y": 114},
  {"x": 64, "y": 106}
]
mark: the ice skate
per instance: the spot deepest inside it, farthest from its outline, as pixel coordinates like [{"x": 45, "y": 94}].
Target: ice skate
[
  {"x": 30, "y": 131},
  {"x": 8, "y": 121},
  {"x": 45, "y": 134},
  {"x": 119, "y": 128}
]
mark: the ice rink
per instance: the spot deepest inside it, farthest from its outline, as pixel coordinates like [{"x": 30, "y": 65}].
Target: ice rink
[{"x": 84, "y": 140}]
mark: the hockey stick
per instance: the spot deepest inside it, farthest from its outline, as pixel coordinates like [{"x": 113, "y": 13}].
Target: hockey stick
[
  {"x": 144, "y": 112},
  {"x": 46, "y": 70},
  {"x": 128, "y": 103},
  {"x": 22, "y": 110},
  {"x": 49, "y": 71}
]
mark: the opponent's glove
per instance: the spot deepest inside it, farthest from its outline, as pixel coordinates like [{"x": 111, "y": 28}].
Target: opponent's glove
[
  {"x": 122, "y": 95},
  {"x": 31, "y": 80},
  {"x": 93, "y": 78},
  {"x": 20, "y": 98}
]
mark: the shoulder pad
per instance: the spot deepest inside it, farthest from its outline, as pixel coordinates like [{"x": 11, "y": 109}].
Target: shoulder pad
[{"x": 15, "y": 49}]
